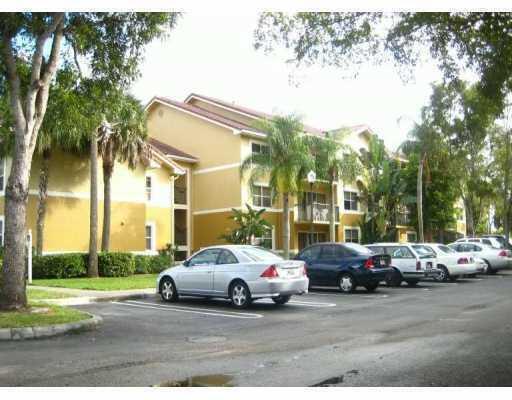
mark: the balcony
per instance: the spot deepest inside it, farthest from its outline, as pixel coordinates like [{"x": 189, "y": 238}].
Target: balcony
[
  {"x": 403, "y": 219},
  {"x": 180, "y": 236},
  {"x": 180, "y": 195},
  {"x": 320, "y": 213}
]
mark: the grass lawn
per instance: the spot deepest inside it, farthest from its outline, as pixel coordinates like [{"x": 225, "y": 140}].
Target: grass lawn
[
  {"x": 142, "y": 281},
  {"x": 41, "y": 294},
  {"x": 54, "y": 315}
]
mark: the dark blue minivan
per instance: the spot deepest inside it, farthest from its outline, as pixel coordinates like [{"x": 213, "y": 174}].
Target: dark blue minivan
[{"x": 345, "y": 265}]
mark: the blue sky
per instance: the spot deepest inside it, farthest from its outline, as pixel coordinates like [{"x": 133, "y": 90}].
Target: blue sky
[{"x": 214, "y": 56}]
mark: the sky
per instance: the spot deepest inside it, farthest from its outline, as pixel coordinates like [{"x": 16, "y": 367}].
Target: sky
[{"x": 215, "y": 56}]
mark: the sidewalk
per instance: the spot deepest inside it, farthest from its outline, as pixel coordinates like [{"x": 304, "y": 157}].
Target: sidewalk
[{"x": 82, "y": 296}]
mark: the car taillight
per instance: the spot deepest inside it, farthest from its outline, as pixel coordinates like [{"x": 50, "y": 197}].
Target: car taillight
[
  {"x": 418, "y": 266},
  {"x": 270, "y": 272},
  {"x": 462, "y": 260},
  {"x": 503, "y": 253},
  {"x": 368, "y": 264}
]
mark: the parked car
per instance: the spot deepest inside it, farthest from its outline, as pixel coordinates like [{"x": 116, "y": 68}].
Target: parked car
[
  {"x": 502, "y": 239},
  {"x": 409, "y": 264},
  {"x": 484, "y": 240},
  {"x": 238, "y": 272},
  {"x": 345, "y": 265},
  {"x": 450, "y": 264},
  {"x": 495, "y": 259}
]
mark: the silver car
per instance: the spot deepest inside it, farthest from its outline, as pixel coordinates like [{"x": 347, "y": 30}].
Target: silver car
[
  {"x": 495, "y": 259},
  {"x": 238, "y": 272}
]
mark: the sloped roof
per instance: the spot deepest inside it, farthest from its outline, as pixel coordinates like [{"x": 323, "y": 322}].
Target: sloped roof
[{"x": 171, "y": 151}]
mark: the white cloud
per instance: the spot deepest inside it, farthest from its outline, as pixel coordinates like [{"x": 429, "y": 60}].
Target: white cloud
[{"x": 214, "y": 56}]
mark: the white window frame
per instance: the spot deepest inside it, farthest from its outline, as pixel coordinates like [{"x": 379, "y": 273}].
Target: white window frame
[
  {"x": 2, "y": 230},
  {"x": 149, "y": 194},
  {"x": 352, "y": 228},
  {"x": 260, "y": 195},
  {"x": 349, "y": 210},
  {"x": 3, "y": 167},
  {"x": 271, "y": 237},
  {"x": 152, "y": 225},
  {"x": 259, "y": 144}
]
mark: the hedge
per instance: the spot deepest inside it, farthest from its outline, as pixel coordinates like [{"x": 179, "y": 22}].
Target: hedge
[
  {"x": 70, "y": 265},
  {"x": 116, "y": 264},
  {"x": 151, "y": 264}
]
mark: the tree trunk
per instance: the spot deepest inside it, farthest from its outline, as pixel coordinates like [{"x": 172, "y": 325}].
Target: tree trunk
[
  {"x": 107, "y": 205},
  {"x": 332, "y": 212},
  {"x": 469, "y": 216},
  {"x": 506, "y": 197},
  {"x": 286, "y": 225},
  {"x": 93, "y": 234},
  {"x": 13, "y": 291},
  {"x": 43, "y": 195},
  {"x": 419, "y": 195}
]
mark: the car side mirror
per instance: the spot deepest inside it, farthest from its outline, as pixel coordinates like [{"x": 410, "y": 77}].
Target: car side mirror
[{"x": 186, "y": 263}]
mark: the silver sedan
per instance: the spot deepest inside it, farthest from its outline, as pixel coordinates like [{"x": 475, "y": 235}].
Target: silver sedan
[{"x": 238, "y": 272}]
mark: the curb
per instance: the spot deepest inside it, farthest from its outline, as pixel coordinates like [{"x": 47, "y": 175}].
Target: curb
[
  {"x": 77, "y": 301},
  {"x": 39, "y": 332}
]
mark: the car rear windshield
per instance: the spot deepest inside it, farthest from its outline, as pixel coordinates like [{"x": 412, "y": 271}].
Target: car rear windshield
[
  {"x": 446, "y": 249},
  {"x": 260, "y": 254},
  {"x": 357, "y": 248},
  {"x": 423, "y": 251}
]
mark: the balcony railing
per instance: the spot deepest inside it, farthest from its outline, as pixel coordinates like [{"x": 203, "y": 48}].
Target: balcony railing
[
  {"x": 180, "y": 195},
  {"x": 320, "y": 213},
  {"x": 403, "y": 219}
]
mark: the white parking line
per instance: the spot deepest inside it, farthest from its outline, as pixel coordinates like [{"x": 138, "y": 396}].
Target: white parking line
[
  {"x": 190, "y": 310},
  {"x": 301, "y": 303}
]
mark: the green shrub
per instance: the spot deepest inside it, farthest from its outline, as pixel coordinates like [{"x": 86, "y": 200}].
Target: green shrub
[
  {"x": 70, "y": 265},
  {"x": 116, "y": 264},
  {"x": 142, "y": 264}
]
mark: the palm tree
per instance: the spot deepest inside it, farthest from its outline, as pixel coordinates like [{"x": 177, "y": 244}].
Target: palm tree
[
  {"x": 122, "y": 141},
  {"x": 285, "y": 165},
  {"x": 334, "y": 161},
  {"x": 251, "y": 224}
]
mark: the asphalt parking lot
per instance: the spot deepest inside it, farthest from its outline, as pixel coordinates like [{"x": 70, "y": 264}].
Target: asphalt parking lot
[{"x": 437, "y": 334}]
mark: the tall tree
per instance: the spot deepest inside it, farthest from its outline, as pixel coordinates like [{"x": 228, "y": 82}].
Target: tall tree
[
  {"x": 124, "y": 141},
  {"x": 113, "y": 44},
  {"x": 334, "y": 161},
  {"x": 285, "y": 165}
]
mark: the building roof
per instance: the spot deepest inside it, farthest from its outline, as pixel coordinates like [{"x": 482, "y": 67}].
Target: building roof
[
  {"x": 171, "y": 151},
  {"x": 247, "y": 111}
]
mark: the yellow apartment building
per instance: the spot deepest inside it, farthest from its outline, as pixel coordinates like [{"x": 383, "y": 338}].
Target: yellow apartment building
[{"x": 186, "y": 194}]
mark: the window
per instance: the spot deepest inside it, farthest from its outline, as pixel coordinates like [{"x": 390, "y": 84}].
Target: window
[
  {"x": 350, "y": 201},
  {"x": 399, "y": 252},
  {"x": 1, "y": 231},
  {"x": 411, "y": 237},
  {"x": 311, "y": 253},
  {"x": 307, "y": 238},
  {"x": 446, "y": 249},
  {"x": 487, "y": 241},
  {"x": 149, "y": 185},
  {"x": 150, "y": 237},
  {"x": 261, "y": 196},
  {"x": 258, "y": 254},
  {"x": 265, "y": 241},
  {"x": 2, "y": 174},
  {"x": 352, "y": 235},
  {"x": 206, "y": 257},
  {"x": 226, "y": 257},
  {"x": 328, "y": 253},
  {"x": 258, "y": 148}
]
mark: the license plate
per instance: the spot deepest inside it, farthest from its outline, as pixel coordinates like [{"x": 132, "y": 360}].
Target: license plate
[
  {"x": 290, "y": 272},
  {"x": 429, "y": 265},
  {"x": 382, "y": 263}
]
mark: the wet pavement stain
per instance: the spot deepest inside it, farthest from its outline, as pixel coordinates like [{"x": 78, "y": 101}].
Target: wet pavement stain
[
  {"x": 328, "y": 382},
  {"x": 215, "y": 380}
]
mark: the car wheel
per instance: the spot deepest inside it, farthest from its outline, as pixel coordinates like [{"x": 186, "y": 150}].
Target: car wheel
[
  {"x": 412, "y": 282},
  {"x": 443, "y": 274},
  {"x": 280, "y": 300},
  {"x": 240, "y": 295},
  {"x": 488, "y": 268},
  {"x": 346, "y": 283},
  {"x": 393, "y": 279},
  {"x": 372, "y": 287},
  {"x": 168, "y": 290}
]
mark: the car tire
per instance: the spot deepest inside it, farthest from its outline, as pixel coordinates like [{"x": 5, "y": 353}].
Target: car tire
[
  {"x": 346, "y": 283},
  {"x": 443, "y": 274},
  {"x": 240, "y": 295},
  {"x": 393, "y": 279},
  {"x": 488, "y": 268},
  {"x": 168, "y": 290},
  {"x": 412, "y": 282},
  {"x": 372, "y": 287},
  {"x": 280, "y": 300}
]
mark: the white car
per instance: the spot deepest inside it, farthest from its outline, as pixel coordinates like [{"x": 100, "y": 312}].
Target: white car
[
  {"x": 409, "y": 265},
  {"x": 451, "y": 264},
  {"x": 490, "y": 241},
  {"x": 495, "y": 259},
  {"x": 237, "y": 272}
]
